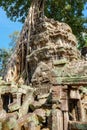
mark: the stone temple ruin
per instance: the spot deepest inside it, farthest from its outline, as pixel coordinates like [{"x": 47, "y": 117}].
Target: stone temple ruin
[{"x": 46, "y": 78}]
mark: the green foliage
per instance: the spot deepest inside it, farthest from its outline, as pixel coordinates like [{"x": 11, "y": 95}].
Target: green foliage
[
  {"x": 69, "y": 11},
  {"x": 4, "y": 56},
  {"x": 15, "y": 9},
  {"x": 14, "y": 37},
  {"x": 85, "y": 40},
  {"x": 6, "y": 53}
]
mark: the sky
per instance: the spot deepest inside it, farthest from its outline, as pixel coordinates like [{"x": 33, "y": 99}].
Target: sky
[{"x": 7, "y": 27}]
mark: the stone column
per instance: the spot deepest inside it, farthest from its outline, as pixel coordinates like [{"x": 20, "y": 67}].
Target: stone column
[
  {"x": 57, "y": 117},
  {"x": 19, "y": 98},
  {"x": 66, "y": 120},
  {"x": 64, "y": 107}
]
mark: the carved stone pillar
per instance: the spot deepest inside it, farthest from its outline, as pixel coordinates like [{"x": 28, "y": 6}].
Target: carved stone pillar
[
  {"x": 64, "y": 106},
  {"x": 66, "y": 120},
  {"x": 57, "y": 117},
  {"x": 19, "y": 98}
]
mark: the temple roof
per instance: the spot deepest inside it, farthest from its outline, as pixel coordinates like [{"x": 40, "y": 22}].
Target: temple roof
[{"x": 73, "y": 73}]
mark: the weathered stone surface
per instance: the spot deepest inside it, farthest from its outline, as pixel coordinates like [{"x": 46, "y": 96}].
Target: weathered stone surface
[
  {"x": 45, "y": 129},
  {"x": 66, "y": 120},
  {"x": 64, "y": 93},
  {"x": 41, "y": 113},
  {"x": 33, "y": 126},
  {"x": 31, "y": 117},
  {"x": 2, "y": 116},
  {"x": 64, "y": 105},
  {"x": 43, "y": 78},
  {"x": 74, "y": 94},
  {"x": 56, "y": 95},
  {"x": 60, "y": 62},
  {"x": 13, "y": 106},
  {"x": 57, "y": 120},
  {"x": 24, "y": 108},
  {"x": 11, "y": 123},
  {"x": 77, "y": 125},
  {"x": 35, "y": 105}
]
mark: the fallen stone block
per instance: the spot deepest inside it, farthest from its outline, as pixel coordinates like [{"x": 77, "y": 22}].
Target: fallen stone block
[{"x": 13, "y": 106}]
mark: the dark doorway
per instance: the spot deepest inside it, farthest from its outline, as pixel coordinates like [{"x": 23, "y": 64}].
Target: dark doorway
[
  {"x": 74, "y": 110},
  {"x": 7, "y": 99}
]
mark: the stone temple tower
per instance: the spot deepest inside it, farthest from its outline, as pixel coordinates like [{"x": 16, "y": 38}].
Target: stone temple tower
[
  {"x": 47, "y": 60},
  {"x": 41, "y": 40}
]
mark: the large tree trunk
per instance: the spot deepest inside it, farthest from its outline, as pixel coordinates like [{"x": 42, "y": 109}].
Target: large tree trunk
[{"x": 36, "y": 11}]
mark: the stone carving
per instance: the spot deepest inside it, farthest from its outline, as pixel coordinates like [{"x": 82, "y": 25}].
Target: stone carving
[{"x": 46, "y": 78}]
